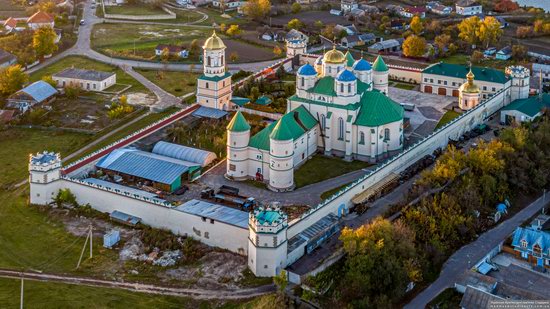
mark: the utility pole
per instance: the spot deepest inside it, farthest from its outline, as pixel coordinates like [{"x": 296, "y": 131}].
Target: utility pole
[
  {"x": 91, "y": 239},
  {"x": 88, "y": 236},
  {"x": 21, "y": 300}
]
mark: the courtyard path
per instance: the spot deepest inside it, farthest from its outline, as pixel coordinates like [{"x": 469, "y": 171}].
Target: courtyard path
[{"x": 244, "y": 293}]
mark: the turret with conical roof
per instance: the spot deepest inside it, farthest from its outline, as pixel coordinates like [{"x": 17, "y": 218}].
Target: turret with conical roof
[
  {"x": 349, "y": 60},
  {"x": 238, "y": 137},
  {"x": 380, "y": 72}
]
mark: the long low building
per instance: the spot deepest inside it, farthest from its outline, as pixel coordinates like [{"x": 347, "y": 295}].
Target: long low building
[
  {"x": 445, "y": 79},
  {"x": 89, "y": 80},
  {"x": 184, "y": 153},
  {"x": 36, "y": 93}
]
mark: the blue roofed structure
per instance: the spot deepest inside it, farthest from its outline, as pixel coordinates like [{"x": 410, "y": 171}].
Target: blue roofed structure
[
  {"x": 216, "y": 212},
  {"x": 164, "y": 172},
  {"x": 346, "y": 76},
  {"x": 208, "y": 112},
  {"x": 129, "y": 191},
  {"x": 124, "y": 218},
  {"x": 184, "y": 153},
  {"x": 533, "y": 244},
  {"x": 307, "y": 69},
  {"x": 36, "y": 93},
  {"x": 362, "y": 65}
]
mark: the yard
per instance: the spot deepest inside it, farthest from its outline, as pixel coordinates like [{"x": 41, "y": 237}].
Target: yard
[
  {"x": 321, "y": 168},
  {"x": 175, "y": 82},
  {"x": 448, "y": 116},
  {"x": 134, "y": 9}
]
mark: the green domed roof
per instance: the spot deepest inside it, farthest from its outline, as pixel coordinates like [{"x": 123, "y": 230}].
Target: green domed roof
[
  {"x": 379, "y": 65},
  {"x": 238, "y": 123}
]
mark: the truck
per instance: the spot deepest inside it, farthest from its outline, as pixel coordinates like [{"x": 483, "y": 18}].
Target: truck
[{"x": 229, "y": 195}]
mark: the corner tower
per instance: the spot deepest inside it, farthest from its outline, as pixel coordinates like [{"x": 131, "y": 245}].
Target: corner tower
[
  {"x": 44, "y": 175},
  {"x": 295, "y": 47},
  {"x": 281, "y": 151},
  {"x": 380, "y": 75},
  {"x": 267, "y": 243},
  {"x": 520, "y": 82},
  {"x": 214, "y": 86},
  {"x": 238, "y": 136}
]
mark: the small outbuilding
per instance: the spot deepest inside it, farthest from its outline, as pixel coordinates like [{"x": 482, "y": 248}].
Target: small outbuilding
[
  {"x": 184, "y": 153},
  {"x": 89, "y": 80},
  {"x": 523, "y": 110},
  {"x": 36, "y": 93},
  {"x": 6, "y": 59}
]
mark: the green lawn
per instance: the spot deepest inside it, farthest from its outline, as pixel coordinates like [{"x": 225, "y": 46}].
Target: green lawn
[
  {"x": 87, "y": 63},
  {"x": 129, "y": 9},
  {"x": 60, "y": 295},
  {"x": 214, "y": 16},
  {"x": 16, "y": 144},
  {"x": 404, "y": 86},
  {"x": 456, "y": 59},
  {"x": 448, "y": 116},
  {"x": 321, "y": 168},
  {"x": 331, "y": 192},
  {"x": 175, "y": 82}
]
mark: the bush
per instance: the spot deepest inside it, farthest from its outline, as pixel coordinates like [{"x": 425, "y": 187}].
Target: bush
[{"x": 72, "y": 91}]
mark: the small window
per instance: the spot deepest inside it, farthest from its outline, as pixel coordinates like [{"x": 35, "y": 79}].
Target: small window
[
  {"x": 386, "y": 134},
  {"x": 203, "y": 219},
  {"x": 524, "y": 243},
  {"x": 232, "y": 167},
  {"x": 362, "y": 138}
]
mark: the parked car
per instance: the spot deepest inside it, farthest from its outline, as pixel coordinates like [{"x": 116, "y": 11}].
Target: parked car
[{"x": 82, "y": 22}]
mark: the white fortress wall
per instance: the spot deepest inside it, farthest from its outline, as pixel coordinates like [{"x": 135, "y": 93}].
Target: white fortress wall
[
  {"x": 453, "y": 130},
  {"x": 217, "y": 234}
]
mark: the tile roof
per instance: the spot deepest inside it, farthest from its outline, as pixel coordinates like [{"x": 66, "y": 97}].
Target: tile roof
[
  {"x": 40, "y": 18},
  {"x": 84, "y": 74},
  {"x": 460, "y": 71},
  {"x": 10, "y": 22},
  {"x": 39, "y": 91},
  {"x": 530, "y": 106},
  {"x": 377, "y": 109},
  {"x": 238, "y": 123}
]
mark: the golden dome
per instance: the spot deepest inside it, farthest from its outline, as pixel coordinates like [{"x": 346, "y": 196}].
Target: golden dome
[
  {"x": 213, "y": 42},
  {"x": 334, "y": 56},
  {"x": 469, "y": 86}
]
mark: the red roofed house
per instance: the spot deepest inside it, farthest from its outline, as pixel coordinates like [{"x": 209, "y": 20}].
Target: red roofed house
[
  {"x": 411, "y": 11},
  {"x": 10, "y": 24},
  {"x": 40, "y": 19}
]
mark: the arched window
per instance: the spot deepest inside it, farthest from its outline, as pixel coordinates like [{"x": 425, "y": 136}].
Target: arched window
[
  {"x": 349, "y": 88},
  {"x": 221, "y": 63},
  {"x": 341, "y": 87},
  {"x": 361, "y": 138},
  {"x": 386, "y": 134},
  {"x": 302, "y": 82},
  {"x": 340, "y": 128},
  {"x": 208, "y": 61},
  {"x": 537, "y": 250}
]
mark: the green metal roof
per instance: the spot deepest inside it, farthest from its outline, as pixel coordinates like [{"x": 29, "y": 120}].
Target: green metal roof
[
  {"x": 268, "y": 216},
  {"x": 460, "y": 71},
  {"x": 261, "y": 139},
  {"x": 379, "y": 65},
  {"x": 263, "y": 100},
  {"x": 349, "y": 59},
  {"x": 377, "y": 109},
  {"x": 362, "y": 87},
  {"x": 240, "y": 101},
  {"x": 215, "y": 78},
  {"x": 352, "y": 106},
  {"x": 324, "y": 86},
  {"x": 530, "y": 106},
  {"x": 238, "y": 123}
]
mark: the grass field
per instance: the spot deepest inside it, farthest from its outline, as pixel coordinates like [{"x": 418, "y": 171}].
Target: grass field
[
  {"x": 321, "y": 168},
  {"x": 138, "y": 10},
  {"x": 448, "y": 116},
  {"x": 175, "y": 82},
  {"x": 87, "y": 63},
  {"x": 404, "y": 86},
  {"x": 9, "y": 8},
  {"x": 16, "y": 145}
]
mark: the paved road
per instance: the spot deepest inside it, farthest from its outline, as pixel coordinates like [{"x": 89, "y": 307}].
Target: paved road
[
  {"x": 144, "y": 288},
  {"x": 468, "y": 255}
]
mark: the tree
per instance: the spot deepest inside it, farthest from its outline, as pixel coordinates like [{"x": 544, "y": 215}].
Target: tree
[
  {"x": 538, "y": 26},
  {"x": 476, "y": 57},
  {"x": 519, "y": 52},
  {"x": 43, "y": 41},
  {"x": 46, "y": 6},
  {"x": 442, "y": 42},
  {"x": 524, "y": 32},
  {"x": 233, "y": 30},
  {"x": 281, "y": 281},
  {"x": 416, "y": 25},
  {"x": 20, "y": 45},
  {"x": 318, "y": 25},
  {"x": 434, "y": 27},
  {"x": 223, "y": 28},
  {"x": 257, "y": 9},
  {"x": 468, "y": 29},
  {"x": 328, "y": 32},
  {"x": 414, "y": 46},
  {"x": 123, "y": 100},
  {"x": 48, "y": 79},
  {"x": 342, "y": 34},
  {"x": 295, "y": 24},
  {"x": 72, "y": 91},
  {"x": 233, "y": 56},
  {"x": 506, "y": 6},
  {"x": 194, "y": 48},
  {"x": 295, "y": 8},
  {"x": 277, "y": 51},
  {"x": 12, "y": 79},
  {"x": 165, "y": 54},
  {"x": 489, "y": 31},
  {"x": 65, "y": 196},
  {"x": 254, "y": 94},
  {"x": 381, "y": 261}
]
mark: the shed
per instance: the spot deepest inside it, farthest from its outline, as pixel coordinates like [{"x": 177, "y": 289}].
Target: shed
[
  {"x": 209, "y": 112},
  {"x": 391, "y": 45},
  {"x": 111, "y": 238},
  {"x": 504, "y": 54},
  {"x": 184, "y": 153},
  {"x": 124, "y": 218},
  {"x": 6, "y": 59},
  {"x": 215, "y": 212},
  {"x": 36, "y": 93}
]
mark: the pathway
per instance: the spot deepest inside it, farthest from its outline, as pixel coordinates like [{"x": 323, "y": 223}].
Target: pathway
[
  {"x": 144, "y": 288},
  {"x": 466, "y": 256}
]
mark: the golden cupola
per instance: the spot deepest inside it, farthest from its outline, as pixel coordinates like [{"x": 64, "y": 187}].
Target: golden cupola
[
  {"x": 334, "y": 56},
  {"x": 214, "y": 42},
  {"x": 469, "y": 86}
]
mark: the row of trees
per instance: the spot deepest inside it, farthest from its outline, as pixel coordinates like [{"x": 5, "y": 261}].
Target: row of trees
[
  {"x": 12, "y": 79},
  {"x": 29, "y": 46}
]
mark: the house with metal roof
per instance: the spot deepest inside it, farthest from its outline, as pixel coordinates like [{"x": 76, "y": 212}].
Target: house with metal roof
[
  {"x": 468, "y": 7},
  {"x": 164, "y": 173},
  {"x": 387, "y": 46},
  {"x": 445, "y": 79},
  {"x": 6, "y": 59},
  {"x": 36, "y": 93},
  {"x": 523, "y": 110},
  {"x": 89, "y": 80},
  {"x": 184, "y": 153},
  {"x": 533, "y": 245}
]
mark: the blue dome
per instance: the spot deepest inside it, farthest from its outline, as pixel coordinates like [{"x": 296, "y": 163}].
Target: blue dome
[
  {"x": 345, "y": 76},
  {"x": 307, "y": 69},
  {"x": 362, "y": 65}
]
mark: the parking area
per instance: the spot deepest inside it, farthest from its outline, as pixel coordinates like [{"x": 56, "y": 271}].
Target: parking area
[{"x": 519, "y": 274}]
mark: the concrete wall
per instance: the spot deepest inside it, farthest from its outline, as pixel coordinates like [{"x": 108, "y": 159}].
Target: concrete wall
[{"x": 217, "y": 234}]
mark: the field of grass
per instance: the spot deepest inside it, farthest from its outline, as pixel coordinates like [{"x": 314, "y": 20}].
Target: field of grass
[
  {"x": 9, "y": 8},
  {"x": 448, "y": 116},
  {"x": 175, "y": 82},
  {"x": 321, "y": 168},
  {"x": 16, "y": 144},
  {"x": 129, "y": 9},
  {"x": 456, "y": 59},
  {"x": 214, "y": 16},
  {"x": 87, "y": 63},
  {"x": 404, "y": 86}
]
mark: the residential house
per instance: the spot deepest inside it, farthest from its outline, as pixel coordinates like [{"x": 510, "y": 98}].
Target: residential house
[
  {"x": 268, "y": 34},
  {"x": 10, "y": 24},
  {"x": 348, "y": 5},
  {"x": 524, "y": 110},
  {"x": 89, "y": 80},
  {"x": 351, "y": 41},
  {"x": 387, "y": 46},
  {"x": 367, "y": 37},
  {"x": 228, "y": 4},
  {"x": 395, "y": 9},
  {"x": 411, "y": 11},
  {"x": 399, "y": 24},
  {"x": 173, "y": 50},
  {"x": 468, "y": 7},
  {"x": 36, "y": 93},
  {"x": 533, "y": 244},
  {"x": 356, "y": 13},
  {"x": 504, "y": 54},
  {"x": 40, "y": 19},
  {"x": 294, "y": 34},
  {"x": 438, "y": 8},
  {"x": 6, "y": 59},
  {"x": 369, "y": 9}
]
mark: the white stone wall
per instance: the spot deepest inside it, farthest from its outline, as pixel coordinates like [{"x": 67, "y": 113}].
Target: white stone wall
[
  {"x": 87, "y": 85},
  {"x": 438, "y": 81}
]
